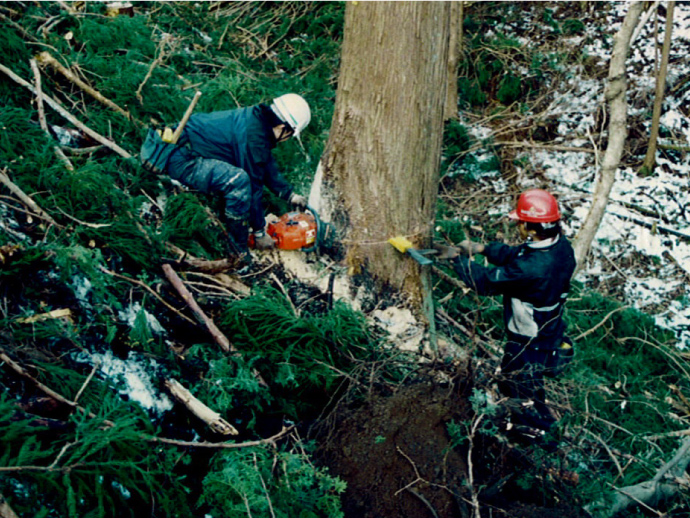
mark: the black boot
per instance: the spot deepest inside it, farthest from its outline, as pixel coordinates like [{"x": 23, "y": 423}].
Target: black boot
[{"x": 238, "y": 228}]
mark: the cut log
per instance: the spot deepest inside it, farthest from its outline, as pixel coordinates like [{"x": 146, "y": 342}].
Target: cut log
[{"x": 196, "y": 407}]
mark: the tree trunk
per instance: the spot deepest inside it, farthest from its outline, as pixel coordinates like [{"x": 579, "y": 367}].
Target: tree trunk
[
  {"x": 454, "y": 48},
  {"x": 650, "y": 157},
  {"x": 378, "y": 177},
  {"x": 617, "y": 132}
]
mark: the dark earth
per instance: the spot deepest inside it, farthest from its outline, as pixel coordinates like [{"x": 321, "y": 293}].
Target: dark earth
[{"x": 399, "y": 460}]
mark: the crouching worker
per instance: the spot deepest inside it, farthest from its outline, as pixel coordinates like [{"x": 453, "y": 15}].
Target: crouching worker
[
  {"x": 229, "y": 153},
  {"x": 534, "y": 279}
]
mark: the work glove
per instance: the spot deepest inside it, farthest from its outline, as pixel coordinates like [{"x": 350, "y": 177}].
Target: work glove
[
  {"x": 298, "y": 201},
  {"x": 467, "y": 247},
  {"x": 263, "y": 241},
  {"x": 446, "y": 252}
]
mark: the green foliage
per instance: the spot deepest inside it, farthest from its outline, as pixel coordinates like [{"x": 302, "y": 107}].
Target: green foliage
[
  {"x": 300, "y": 353},
  {"x": 509, "y": 89},
  {"x": 262, "y": 482},
  {"x": 94, "y": 469},
  {"x": 188, "y": 224},
  {"x": 230, "y": 383}
]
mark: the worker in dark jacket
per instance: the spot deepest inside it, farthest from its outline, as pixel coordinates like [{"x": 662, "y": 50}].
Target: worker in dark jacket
[
  {"x": 534, "y": 279},
  {"x": 229, "y": 153}
]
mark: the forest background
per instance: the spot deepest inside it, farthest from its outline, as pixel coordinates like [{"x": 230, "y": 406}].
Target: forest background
[{"x": 94, "y": 333}]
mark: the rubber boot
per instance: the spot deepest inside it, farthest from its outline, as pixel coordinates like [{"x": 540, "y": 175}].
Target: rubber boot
[{"x": 238, "y": 228}]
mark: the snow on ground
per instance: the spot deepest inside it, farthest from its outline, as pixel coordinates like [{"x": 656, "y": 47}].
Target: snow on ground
[
  {"x": 627, "y": 228},
  {"x": 131, "y": 378}
]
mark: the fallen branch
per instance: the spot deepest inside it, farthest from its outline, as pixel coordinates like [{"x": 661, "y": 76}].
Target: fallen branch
[
  {"x": 20, "y": 370},
  {"x": 150, "y": 290},
  {"x": 216, "y": 333},
  {"x": 668, "y": 481},
  {"x": 26, "y": 199},
  {"x": 67, "y": 115},
  {"x": 603, "y": 321},
  {"x": 552, "y": 147},
  {"x": 199, "y": 409},
  {"x": 222, "y": 445},
  {"x": 203, "y": 265},
  {"x": 45, "y": 58},
  {"x": 156, "y": 62},
  {"x": 42, "y": 116}
]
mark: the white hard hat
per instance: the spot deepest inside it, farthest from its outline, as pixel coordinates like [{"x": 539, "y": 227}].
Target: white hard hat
[{"x": 293, "y": 110}]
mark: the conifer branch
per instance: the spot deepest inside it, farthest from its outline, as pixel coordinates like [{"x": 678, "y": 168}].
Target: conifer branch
[
  {"x": 67, "y": 115},
  {"x": 50, "y": 392},
  {"x": 45, "y": 58}
]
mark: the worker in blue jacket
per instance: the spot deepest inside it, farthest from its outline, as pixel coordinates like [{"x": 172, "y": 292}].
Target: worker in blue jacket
[
  {"x": 230, "y": 153},
  {"x": 534, "y": 279}
]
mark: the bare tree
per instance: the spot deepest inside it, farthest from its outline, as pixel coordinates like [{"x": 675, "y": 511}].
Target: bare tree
[
  {"x": 457, "y": 13},
  {"x": 650, "y": 157},
  {"x": 617, "y": 132},
  {"x": 378, "y": 177}
]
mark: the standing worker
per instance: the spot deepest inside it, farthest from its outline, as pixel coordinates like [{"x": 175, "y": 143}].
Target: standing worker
[
  {"x": 534, "y": 279},
  {"x": 230, "y": 153}
]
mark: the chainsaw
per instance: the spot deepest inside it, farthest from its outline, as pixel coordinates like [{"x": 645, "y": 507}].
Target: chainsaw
[{"x": 302, "y": 231}]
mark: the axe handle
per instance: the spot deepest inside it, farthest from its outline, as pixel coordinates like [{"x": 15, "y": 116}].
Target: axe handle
[{"x": 185, "y": 118}]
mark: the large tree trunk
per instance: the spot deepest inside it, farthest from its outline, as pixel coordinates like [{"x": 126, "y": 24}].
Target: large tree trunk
[
  {"x": 617, "y": 133},
  {"x": 650, "y": 157},
  {"x": 378, "y": 177}
]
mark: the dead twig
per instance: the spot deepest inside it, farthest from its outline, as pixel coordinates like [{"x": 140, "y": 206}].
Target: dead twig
[
  {"x": 150, "y": 290},
  {"x": 46, "y": 59},
  {"x": 222, "y": 445},
  {"x": 67, "y": 115},
  {"x": 26, "y": 199},
  {"x": 216, "y": 333},
  {"x": 20, "y": 370},
  {"x": 162, "y": 56},
  {"x": 42, "y": 116},
  {"x": 603, "y": 321}
]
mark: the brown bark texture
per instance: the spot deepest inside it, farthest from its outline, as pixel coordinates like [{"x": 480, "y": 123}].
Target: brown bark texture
[
  {"x": 380, "y": 166},
  {"x": 650, "y": 157}
]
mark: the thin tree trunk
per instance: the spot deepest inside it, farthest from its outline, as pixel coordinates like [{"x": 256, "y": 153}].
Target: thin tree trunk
[
  {"x": 650, "y": 158},
  {"x": 617, "y": 133},
  {"x": 454, "y": 47}
]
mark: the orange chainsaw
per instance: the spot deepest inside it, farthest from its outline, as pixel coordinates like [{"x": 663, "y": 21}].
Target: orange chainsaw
[{"x": 299, "y": 231}]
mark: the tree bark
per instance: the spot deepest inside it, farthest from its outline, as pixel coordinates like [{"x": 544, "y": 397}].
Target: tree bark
[
  {"x": 378, "y": 177},
  {"x": 650, "y": 157},
  {"x": 617, "y": 132},
  {"x": 454, "y": 50}
]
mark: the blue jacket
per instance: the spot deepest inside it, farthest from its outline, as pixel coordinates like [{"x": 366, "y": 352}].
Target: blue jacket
[
  {"x": 244, "y": 138},
  {"x": 534, "y": 280}
]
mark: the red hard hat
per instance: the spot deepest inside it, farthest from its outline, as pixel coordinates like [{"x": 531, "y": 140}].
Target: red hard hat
[{"x": 536, "y": 206}]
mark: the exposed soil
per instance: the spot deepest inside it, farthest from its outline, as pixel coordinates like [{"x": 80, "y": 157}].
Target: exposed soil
[{"x": 396, "y": 454}]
